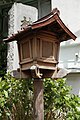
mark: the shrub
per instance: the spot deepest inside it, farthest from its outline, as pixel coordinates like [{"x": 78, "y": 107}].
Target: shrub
[{"x": 16, "y": 100}]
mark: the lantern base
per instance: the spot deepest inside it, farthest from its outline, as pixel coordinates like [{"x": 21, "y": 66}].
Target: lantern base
[{"x": 42, "y": 73}]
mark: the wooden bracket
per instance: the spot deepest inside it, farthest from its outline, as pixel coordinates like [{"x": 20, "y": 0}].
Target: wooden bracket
[{"x": 35, "y": 72}]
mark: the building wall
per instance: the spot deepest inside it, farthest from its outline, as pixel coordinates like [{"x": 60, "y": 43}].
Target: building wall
[
  {"x": 69, "y": 55},
  {"x": 16, "y": 15},
  {"x": 73, "y": 80},
  {"x": 70, "y": 50},
  {"x": 69, "y": 12}
]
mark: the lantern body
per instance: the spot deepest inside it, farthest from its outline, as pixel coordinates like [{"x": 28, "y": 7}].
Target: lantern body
[
  {"x": 38, "y": 48},
  {"x": 38, "y": 45}
]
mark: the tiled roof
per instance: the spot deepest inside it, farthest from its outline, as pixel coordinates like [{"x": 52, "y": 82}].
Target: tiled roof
[{"x": 53, "y": 21}]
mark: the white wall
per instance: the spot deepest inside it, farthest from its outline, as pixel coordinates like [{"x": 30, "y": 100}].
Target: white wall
[
  {"x": 68, "y": 56},
  {"x": 73, "y": 80},
  {"x": 69, "y": 12},
  {"x": 22, "y": 10},
  {"x": 16, "y": 15}
]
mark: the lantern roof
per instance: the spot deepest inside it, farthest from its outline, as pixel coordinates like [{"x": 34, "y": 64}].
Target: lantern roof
[{"x": 51, "y": 23}]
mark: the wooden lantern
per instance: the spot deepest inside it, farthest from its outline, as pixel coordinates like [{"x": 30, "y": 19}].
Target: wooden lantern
[{"x": 38, "y": 45}]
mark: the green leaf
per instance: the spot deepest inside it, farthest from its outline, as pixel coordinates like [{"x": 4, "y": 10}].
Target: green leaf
[{"x": 6, "y": 93}]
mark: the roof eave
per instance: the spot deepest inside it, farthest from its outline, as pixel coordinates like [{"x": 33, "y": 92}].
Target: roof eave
[
  {"x": 63, "y": 26},
  {"x": 52, "y": 17}
]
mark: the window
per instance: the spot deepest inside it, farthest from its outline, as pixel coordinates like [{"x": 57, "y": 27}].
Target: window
[
  {"x": 43, "y": 6},
  {"x": 0, "y": 24},
  {"x": 4, "y": 23}
]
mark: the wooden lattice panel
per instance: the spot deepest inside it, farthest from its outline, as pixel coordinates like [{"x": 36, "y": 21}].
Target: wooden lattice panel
[
  {"x": 47, "y": 49},
  {"x": 25, "y": 50}
]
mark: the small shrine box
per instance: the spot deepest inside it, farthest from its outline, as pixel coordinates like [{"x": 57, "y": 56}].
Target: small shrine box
[{"x": 38, "y": 45}]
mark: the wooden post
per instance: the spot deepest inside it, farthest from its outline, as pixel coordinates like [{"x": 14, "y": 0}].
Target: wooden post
[{"x": 38, "y": 100}]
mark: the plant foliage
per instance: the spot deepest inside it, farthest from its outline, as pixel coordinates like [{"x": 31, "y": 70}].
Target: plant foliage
[
  {"x": 16, "y": 100},
  {"x": 59, "y": 103}
]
